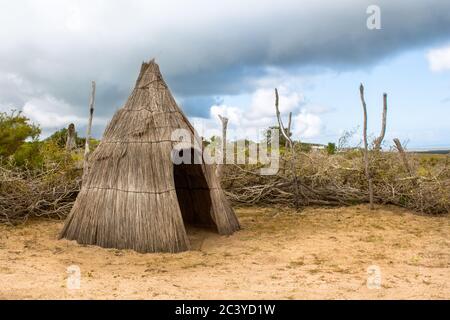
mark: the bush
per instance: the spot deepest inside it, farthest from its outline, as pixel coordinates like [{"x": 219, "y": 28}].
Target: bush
[
  {"x": 15, "y": 129},
  {"x": 40, "y": 178},
  {"x": 331, "y": 148}
]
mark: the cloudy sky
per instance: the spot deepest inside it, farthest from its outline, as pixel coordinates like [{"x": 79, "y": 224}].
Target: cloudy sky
[{"x": 226, "y": 57}]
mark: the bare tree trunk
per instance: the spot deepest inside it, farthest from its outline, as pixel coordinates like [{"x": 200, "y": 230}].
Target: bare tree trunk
[
  {"x": 379, "y": 140},
  {"x": 224, "y": 121},
  {"x": 366, "y": 148},
  {"x": 402, "y": 153},
  {"x": 87, "y": 150},
  {"x": 224, "y": 137},
  {"x": 288, "y": 131},
  {"x": 286, "y": 144},
  {"x": 71, "y": 138},
  {"x": 291, "y": 147}
]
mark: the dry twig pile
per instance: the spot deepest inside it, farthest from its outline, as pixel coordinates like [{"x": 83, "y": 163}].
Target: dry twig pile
[
  {"x": 340, "y": 180},
  {"x": 23, "y": 193}
]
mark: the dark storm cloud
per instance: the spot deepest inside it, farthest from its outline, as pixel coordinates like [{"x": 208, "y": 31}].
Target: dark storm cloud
[
  {"x": 199, "y": 106},
  {"x": 205, "y": 49}
]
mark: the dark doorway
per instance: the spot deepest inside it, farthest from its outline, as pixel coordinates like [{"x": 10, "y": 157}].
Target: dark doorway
[{"x": 193, "y": 193}]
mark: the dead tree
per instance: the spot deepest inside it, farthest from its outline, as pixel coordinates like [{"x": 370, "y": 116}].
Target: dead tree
[
  {"x": 379, "y": 140},
  {"x": 87, "y": 150},
  {"x": 286, "y": 143},
  {"x": 402, "y": 153},
  {"x": 224, "y": 121},
  {"x": 219, "y": 169},
  {"x": 291, "y": 147},
  {"x": 288, "y": 130},
  {"x": 366, "y": 148},
  {"x": 71, "y": 138}
]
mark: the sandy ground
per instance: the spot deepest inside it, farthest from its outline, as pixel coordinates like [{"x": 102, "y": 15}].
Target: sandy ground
[{"x": 279, "y": 254}]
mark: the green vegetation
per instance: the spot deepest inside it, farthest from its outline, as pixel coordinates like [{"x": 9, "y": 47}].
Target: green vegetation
[
  {"x": 15, "y": 129},
  {"x": 331, "y": 148},
  {"x": 20, "y": 147},
  {"x": 60, "y": 137},
  {"x": 39, "y": 177}
]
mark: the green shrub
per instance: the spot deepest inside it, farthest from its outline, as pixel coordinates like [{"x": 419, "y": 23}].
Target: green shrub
[
  {"x": 15, "y": 129},
  {"x": 60, "y": 138},
  {"x": 331, "y": 148}
]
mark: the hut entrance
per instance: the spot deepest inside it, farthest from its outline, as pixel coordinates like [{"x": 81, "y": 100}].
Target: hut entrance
[{"x": 193, "y": 193}]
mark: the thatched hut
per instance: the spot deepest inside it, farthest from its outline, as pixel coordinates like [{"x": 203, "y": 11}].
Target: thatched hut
[{"x": 134, "y": 196}]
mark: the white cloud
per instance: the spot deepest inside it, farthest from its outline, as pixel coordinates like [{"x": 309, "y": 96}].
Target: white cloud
[
  {"x": 74, "y": 20},
  {"x": 306, "y": 125},
  {"x": 241, "y": 123},
  {"x": 251, "y": 122},
  {"x": 263, "y": 102},
  {"x": 439, "y": 59},
  {"x": 52, "y": 114},
  {"x": 234, "y": 114}
]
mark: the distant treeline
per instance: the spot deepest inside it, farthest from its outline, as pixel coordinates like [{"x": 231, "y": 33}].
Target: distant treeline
[{"x": 433, "y": 151}]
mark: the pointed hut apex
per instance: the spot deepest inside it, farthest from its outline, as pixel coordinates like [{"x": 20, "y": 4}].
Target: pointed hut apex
[
  {"x": 149, "y": 63},
  {"x": 149, "y": 75},
  {"x": 134, "y": 197}
]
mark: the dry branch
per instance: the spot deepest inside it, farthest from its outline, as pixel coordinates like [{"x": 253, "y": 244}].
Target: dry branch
[
  {"x": 366, "y": 148},
  {"x": 87, "y": 149},
  {"x": 379, "y": 140},
  {"x": 340, "y": 180},
  {"x": 402, "y": 153},
  {"x": 326, "y": 179},
  {"x": 25, "y": 194},
  {"x": 288, "y": 130}
]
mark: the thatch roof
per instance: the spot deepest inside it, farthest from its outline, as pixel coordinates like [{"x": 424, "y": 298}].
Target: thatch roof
[{"x": 133, "y": 196}]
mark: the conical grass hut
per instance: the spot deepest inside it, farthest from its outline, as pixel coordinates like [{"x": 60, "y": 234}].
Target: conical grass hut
[{"x": 134, "y": 196}]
